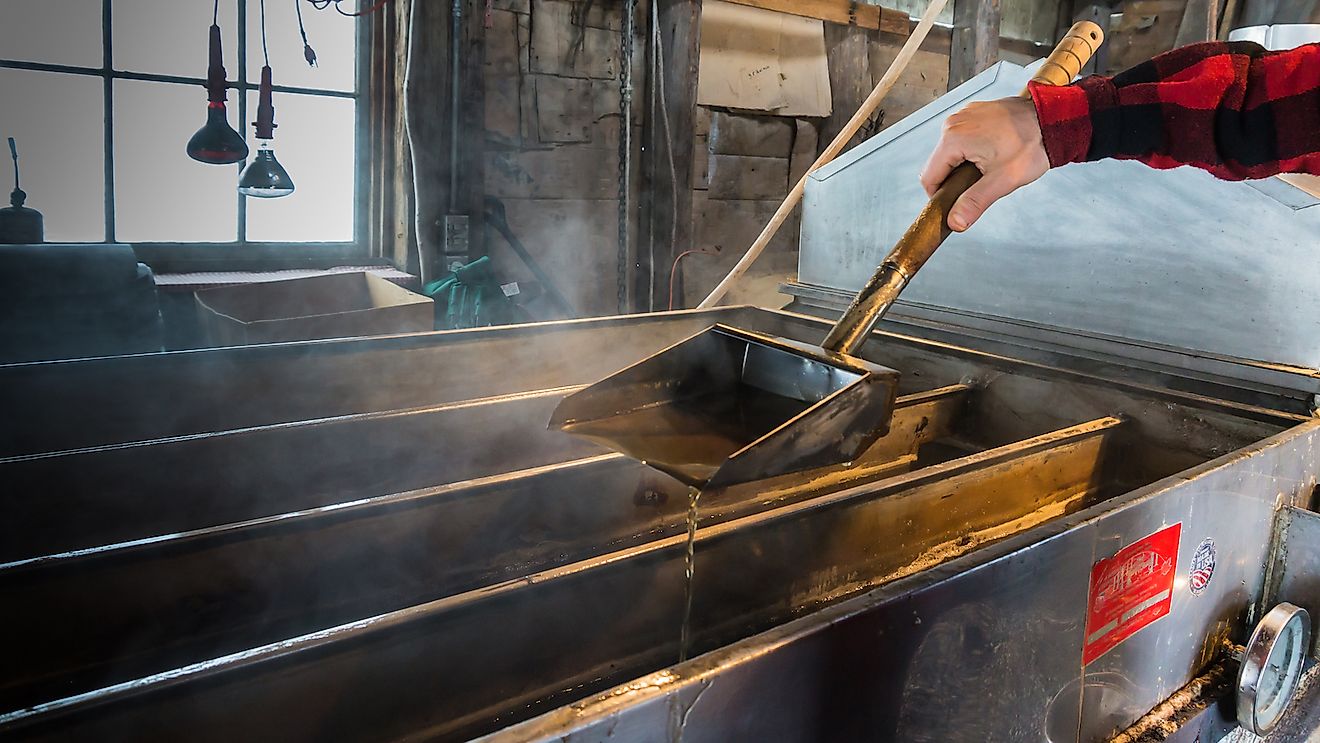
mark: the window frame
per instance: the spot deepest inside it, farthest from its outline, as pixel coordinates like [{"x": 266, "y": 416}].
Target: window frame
[{"x": 242, "y": 253}]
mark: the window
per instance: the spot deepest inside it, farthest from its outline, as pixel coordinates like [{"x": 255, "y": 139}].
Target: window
[{"x": 102, "y": 96}]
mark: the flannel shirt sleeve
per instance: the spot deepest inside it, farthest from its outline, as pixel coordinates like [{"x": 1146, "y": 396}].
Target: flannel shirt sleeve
[{"x": 1233, "y": 109}]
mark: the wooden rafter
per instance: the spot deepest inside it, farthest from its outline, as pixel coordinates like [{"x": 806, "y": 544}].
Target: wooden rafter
[{"x": 842, "y": 12}]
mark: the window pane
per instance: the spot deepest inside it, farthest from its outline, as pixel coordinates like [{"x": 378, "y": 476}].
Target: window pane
[
  {"x": 161, "y": 195},
  {"x": 171, "y": 37},
  {"x": 333, "y": 36},
  {"x": 57, "y": 122},
  {"x": 55, "y": 31},
  {"x": 314, "y": 142}
]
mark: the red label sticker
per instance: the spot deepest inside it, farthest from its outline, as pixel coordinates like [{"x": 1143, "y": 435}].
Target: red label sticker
[{"x": 1130, "y": 590}]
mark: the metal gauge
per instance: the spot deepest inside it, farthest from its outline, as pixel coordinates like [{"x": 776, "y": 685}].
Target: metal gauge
[{"x": 1272, "y": 666}]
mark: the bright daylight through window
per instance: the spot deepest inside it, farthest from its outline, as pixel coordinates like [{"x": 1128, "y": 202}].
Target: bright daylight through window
[{"x": 103, "y": 96}]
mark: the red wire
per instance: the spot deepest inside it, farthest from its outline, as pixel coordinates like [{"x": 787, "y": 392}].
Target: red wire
[{"x": 673, "y": 272}]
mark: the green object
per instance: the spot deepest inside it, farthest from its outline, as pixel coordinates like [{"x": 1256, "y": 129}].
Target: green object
[{"x": 471, "y": 297}]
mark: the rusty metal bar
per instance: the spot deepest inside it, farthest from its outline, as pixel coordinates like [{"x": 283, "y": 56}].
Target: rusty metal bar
[{"x": 480, "y": 660}]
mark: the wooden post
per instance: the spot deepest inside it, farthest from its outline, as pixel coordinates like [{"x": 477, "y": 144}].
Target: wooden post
[
  {"x": 668, "y": 136},
  {"x": 849, "y": 60},
  {"x": 975, "y": 39},
  {"x": 1200, "y": 22},
  {"x": 427, "y": 114}
]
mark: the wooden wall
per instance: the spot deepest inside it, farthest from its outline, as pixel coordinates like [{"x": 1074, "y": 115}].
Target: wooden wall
[
  {"x": 552, "y": 134},
  {"x": 551, "y": 105},
  {"x": 751, "y": 161}
]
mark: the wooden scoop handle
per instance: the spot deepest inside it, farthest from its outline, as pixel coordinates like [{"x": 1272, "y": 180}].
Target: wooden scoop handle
[
  {"x": 929, "y": 231},
  {"x": 1070, "y": 55}
]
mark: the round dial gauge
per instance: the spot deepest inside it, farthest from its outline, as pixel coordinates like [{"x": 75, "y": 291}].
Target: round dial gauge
[{"x": 1272, "y": 667}]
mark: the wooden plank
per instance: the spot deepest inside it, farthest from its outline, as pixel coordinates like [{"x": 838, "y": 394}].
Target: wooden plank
[
  {"x": 743, "y": 134},
  {"x": 667, "y": 164},
  {"x": 565, "y": 109},
  {"x": 848, "y": 56},
  {"x": 502, "y": 115},
  {"x": 701, "y": 122},
  {"x": 573, "y": 240},
  {"x": 926, "y": 78},
  {"x": 724, "y": 229},
  {"x": 937, "y": 40},
  {"x": 516, "y": 6},
  {"x": 502, "y": 44},
  {"x": 1149, "y": 27},
  {"x": 806, "y": 138},
  {"x": 843, "y": 12},
  {"x": 561, "y": 47},
  {"x": 701, "y": 162},
  {"x": 568, "y": 238},
  {"x": 503, "y": 78},
  {"x": 975, "y": 44},
  {"x": 1198, "y": 22},
  {"x": 1227, "y": 19},
  {"x": 744, "y": 178},
  {"x": 566, "y": 172}
]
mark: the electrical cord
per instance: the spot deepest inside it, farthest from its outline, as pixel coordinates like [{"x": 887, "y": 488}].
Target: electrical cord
[
  {"x": 309, "y": 53},
  {"x": 265, "y": 55},
  {"x": 323, "y": 4},
  {"x": 673, "y": 271}
]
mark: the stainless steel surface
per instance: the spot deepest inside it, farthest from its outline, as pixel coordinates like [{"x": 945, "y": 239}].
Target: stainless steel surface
[
  {"x": 888, "y": 595},
  {"x": 1133, "y": 259},
  {"x": 725, "y": 442},
  {"x": 1272, "y": 385},
  {"x": 501, "y": 647},
  {"x": 1272, "y": 665},
  {"x": 96, "y": 402},
  {"x": 298, "y": 572},
  {"x": 913, "y": 660},
  {"x": 1295, "y": 575},
  {"x": 728, "y": 406},
  {"x": 86, "y": 498}
]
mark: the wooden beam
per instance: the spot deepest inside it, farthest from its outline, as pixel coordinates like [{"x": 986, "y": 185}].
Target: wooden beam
[
  {"x": 668, "y": 142},
  {"x": 1199, "y": 22},
  {"x": 849, "y": 61},
  {"x": 975, "y": 38},
  {"x": 427, "y": 117},
  {"x": 842, "y": 12}
]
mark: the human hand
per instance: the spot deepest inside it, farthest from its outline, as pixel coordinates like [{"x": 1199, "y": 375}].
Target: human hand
[{"x": 1002, "y": 139}]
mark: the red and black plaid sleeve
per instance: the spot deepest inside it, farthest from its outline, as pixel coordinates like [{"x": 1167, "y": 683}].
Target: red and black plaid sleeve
[{"x": 1233, "y": 109}]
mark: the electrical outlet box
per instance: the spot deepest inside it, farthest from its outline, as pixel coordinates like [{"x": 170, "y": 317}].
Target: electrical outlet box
[{"x": 457, "y": 236}]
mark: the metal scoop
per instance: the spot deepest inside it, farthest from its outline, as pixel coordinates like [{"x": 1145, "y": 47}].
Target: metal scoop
[{"x": 728, "y": 406}]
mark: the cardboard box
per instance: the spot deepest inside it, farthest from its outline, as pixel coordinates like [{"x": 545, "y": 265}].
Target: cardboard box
[{"x": 333, "y": 306}]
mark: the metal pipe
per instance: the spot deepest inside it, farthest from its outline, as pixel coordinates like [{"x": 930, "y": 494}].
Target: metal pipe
[{"x": 455, "y": 87}]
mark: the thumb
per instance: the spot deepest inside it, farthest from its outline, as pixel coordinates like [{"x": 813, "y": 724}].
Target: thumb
[{"x": 975, "y": 200}]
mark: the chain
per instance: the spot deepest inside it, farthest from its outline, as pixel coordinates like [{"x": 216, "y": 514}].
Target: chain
[{"x": 625, "y": 148}]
